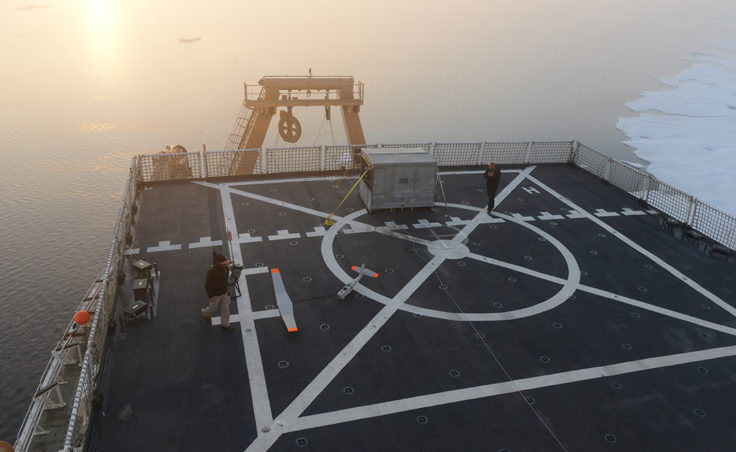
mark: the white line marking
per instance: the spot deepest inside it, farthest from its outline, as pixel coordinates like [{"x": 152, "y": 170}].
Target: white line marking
[
  {"x": 131, "y": 251},
  {"x": 319, "y": 231},
  {"x": 283, "y": 234},
  {"x": 506, "y": 387},
  {"x": 424, "y": 224},
  {"x": 205, "y": 242},
  {"x": 628, "y": 212},
  {"x": 253, "y": 360},
  {"x": 605, "y": 213},
  {"x": 255, "y": 270},
  {"x": 245, "y": 237},
  {"x": 163, "y": 246},
  {"x": 730, "y": 309},
  {"x": 546, "y": 216},
  {"x": 520, "y": 217},
  {"x": 576, "y": 214},
  {"x": 456, "y": 221}
]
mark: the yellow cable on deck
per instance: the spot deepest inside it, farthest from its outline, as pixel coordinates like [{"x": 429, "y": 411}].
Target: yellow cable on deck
[{"x": 329, "y": 222}]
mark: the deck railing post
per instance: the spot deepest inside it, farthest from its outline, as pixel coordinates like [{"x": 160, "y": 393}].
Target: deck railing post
[
  {"x": 573, "y": 151},
  {"x": 481, "y": 151},
  {"x": 528, "y": 152},
  {"x": 607, "y": 171},
  {"x": 264, "y": 160},
  {"x": 322, "y": 157}
]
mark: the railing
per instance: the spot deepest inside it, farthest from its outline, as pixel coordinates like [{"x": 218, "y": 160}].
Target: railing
[
  {"x": 700, "y": 216},
  {"x": 101, "y": 305}
]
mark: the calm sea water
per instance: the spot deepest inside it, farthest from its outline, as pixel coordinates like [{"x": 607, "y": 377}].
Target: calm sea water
[{"x": 88, "y": 84}]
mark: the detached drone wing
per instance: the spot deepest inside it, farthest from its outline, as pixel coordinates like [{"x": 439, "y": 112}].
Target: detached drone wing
[{"x": 283, "y": 301}]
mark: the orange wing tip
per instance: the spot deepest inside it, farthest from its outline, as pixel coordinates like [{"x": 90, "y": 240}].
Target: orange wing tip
[
  {"x": 291, "y": 330},
  {"x": 375, "y": 275},
  {"x": 275, "y": 270},
  {"x": 354, "y": 267}
]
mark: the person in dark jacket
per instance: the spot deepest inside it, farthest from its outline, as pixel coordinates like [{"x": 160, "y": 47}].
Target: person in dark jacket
[
  {"x": 492, "y": 177},
  {"x": 216, "y": 286}
]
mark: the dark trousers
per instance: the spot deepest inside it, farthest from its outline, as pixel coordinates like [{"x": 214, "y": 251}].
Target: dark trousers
[{"x": 491, "y": 200}]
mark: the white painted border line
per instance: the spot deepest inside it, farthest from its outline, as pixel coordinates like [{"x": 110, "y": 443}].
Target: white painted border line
[
  {"x": 702, "y": 290},
  {"x": 507, "y": 387},
  {"x": 253, "y": 360}
]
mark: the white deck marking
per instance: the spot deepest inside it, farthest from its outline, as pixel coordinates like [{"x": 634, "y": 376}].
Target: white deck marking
[
  {"x": 390, "y": 225},
  {"x": 424, "y": 224},
  {"x": 605, "y": 213},
  {"x": 255, "y": 270},
  {"x": 205, "y": 242},
  {"x": 253, "y": 360},
  {"x": 506, "y": 387},
  {"x": 319, "y": 231},
  {"x": 163, "y": 246},
  {"x": 244, "y": 237},
  {"x": 283, "y": 234},
  {"x": 456, "y": 221},
  {"x": 520, "y": 217},
  {"x": 546, "y": 216},
  {"x": 576, "y": 214},
  {"x": 131, "y": 251},
  {"x": 628, "y": 212},
  {"x": 642, "y": 250}
]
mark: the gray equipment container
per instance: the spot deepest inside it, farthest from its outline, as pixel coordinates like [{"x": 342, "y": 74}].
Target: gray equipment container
[{"x": 398, "y": 177}]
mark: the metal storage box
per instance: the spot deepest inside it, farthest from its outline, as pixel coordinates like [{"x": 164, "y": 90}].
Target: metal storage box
[{"x": 398, "y": 177}]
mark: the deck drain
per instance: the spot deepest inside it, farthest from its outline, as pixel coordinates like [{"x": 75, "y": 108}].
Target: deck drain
[
  {"x": 705, "y": 307},
  {"x": 635, "y": 315},
  {"x": 512, "y": 279},
  {"x": 479, "y": 190},
  {"x": 245, "y": 203},
  {"x": 700, "y": 413},
  {"x": 310, "y": 199},
  {"x": 557, "y": 325},
  {"x": 348, "y": 390},
  {"x": 339, "y": 256},
  {"x": 417, "y": 315},
  {"x": 307, "y": 279},
  {"x": 493, "y": 227},
  {"x": 389, "y": 270},
  {"x": 503, "y": 449},
  {"x": 385, "y": 348},
  {"x": 507, "y": 212},
  {"x": 324, "y": 327},
  {"x": 293, "y": 242},
  {"x": 531, "y": 400},
  {"x": 649, "y": 266},
  {"x": 258, "y": 264},
  {"x": 626, "y": 346},
  {"x": 593, "y": 252},
  {"x": 421, "y": 419},
  {"x": 283, "y": 364},
  {"x": 610, "y": 437},
  {"x": 571, "y": 297},
  {"x": 476, "y": 243},
  {"x": 461, "y": 264},
  {"x": 282, "y": 214},
  {"x": 703, "y": 370},
  {"x": 583, "y": 272},
  {"x": 480, "y": 335},
  {"x": 498, "y": 305},
  {"x": 553, "y": 223},
  {"x": 301, "y": 442},
  {"x": 442, "y": 287},
  {"x": 269, "y": 306},
  {"x": 454, "y": 373},
  {"x": 358, "y": 295},
  {"x": 274, "y": 190},
  {"x": 545, "y": 359},
  {"x": 528, "y": 258},
  {"x": 704, "y": 335},
  {"x": 335, "y": 186},
  {"x": 464, "y": 202},
  {"x": 349, "y": 209},
  {"x": 642, "y": 289},
  {"x": 541, "y": 239},
  {"x": 601, "y": 234},
  {"x": 520, "y": 199},
  {"x": 616, "y": 385},
  {"x": 251, "y": 231}
]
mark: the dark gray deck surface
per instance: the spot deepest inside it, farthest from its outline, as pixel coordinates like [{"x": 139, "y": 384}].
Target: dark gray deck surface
[{"x": 642, "y": 356}]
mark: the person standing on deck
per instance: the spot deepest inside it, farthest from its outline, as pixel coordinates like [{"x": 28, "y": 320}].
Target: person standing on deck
[
  {"x": 216, "y": 286},
  {"x": 492, "y": 177}
]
